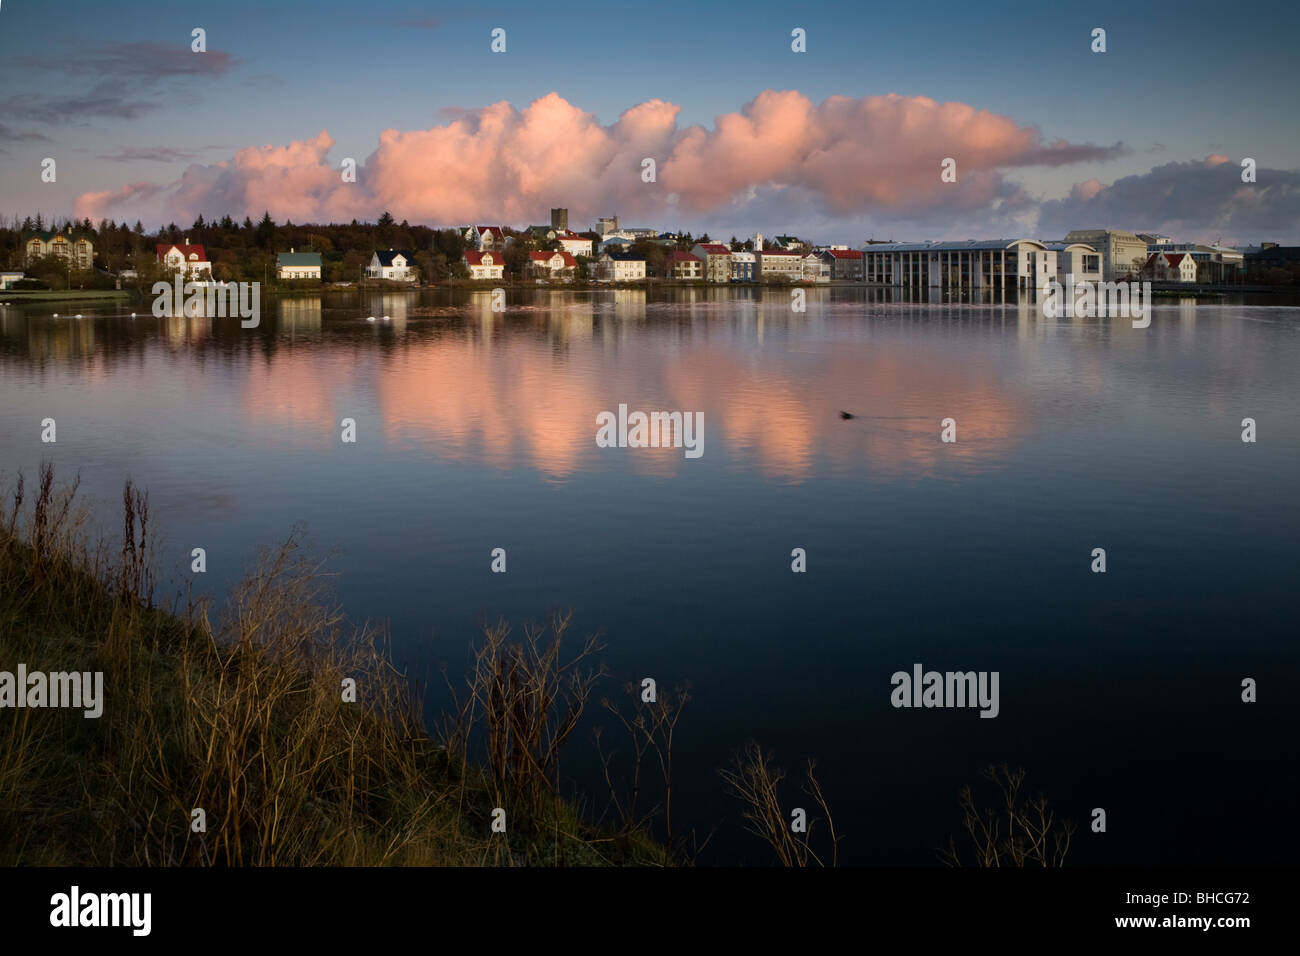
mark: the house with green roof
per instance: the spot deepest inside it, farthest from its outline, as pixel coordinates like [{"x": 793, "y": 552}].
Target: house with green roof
[
  {"x": 77, "y": 247},
  {"x": 297, "y": 265}
]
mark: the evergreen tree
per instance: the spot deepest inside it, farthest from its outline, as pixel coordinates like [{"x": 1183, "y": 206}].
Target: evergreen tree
[{"x": 266, "y": 231}]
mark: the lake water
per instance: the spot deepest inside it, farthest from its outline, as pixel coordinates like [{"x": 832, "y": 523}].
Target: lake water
[{"x": 476, "y": 430}]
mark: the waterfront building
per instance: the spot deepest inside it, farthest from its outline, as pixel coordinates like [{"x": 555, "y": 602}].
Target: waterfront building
[
  {"x": 573, "y": 244},
  {"x": 617, "y": 265},
  {"x": 1171, "y": 267},
  {"x": 76, "y": 248},
  {"x": 552, "y": 265},
  {"x": 1076, "y": 259},
  {"x": 191, "y": 260},
  {"x": 298, "y": 265},
  {"x": 484, "y": 265},
  {"x": 716, "y": 257},
  {"x": 1123, "y": 254},
  {"x": 1270, "y": 255},
  {"x": 683, "y": 265},
  {"x": 744, "y": 266},
  {"x": 968, "y": 264},
  {"x": 780, "y": 264},
  {"x": 1214, "y": 263},
  {"x": 815, "y": 269},
  {"x": 397, "y": 265},
  {"x": 844, "y": 263}
]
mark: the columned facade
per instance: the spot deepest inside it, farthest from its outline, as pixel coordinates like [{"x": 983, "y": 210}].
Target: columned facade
[{"x": 977, "y": 264}]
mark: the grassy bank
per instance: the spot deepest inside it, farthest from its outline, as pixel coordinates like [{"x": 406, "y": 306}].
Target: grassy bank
[
  {"x": 241, "y": 713},
  {"x": 67, "y": 295}
]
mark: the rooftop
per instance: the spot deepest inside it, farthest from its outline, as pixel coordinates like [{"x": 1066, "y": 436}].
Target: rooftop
[
  {"x": 967, "y": 245},
  {"x": 298, "y": 259}
]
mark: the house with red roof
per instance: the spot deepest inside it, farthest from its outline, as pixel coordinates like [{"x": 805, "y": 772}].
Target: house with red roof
[
  {"x": 572, "y": 243},
  {"x": 1171, "y": 267},
  {"x": 560, "y": 266},
  {"x": 485, "y": 265},
  {"x": 844, "y": 263},
  {"x": 683, "y": 265},
  {"x": 187, "y": 259},
  {"x": 486, "y": 237},
  {"x": 716, "y": 258}
]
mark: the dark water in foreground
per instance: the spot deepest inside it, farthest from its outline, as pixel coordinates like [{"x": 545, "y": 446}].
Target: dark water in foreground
[{"x": 476, "y": 431}]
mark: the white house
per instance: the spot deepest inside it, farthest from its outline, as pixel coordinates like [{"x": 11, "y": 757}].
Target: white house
[
  {"x": 486, "y": 237},
  {"x": 573, "y": 244},
  {"x": 8, "y": 279},
  {"x": 485, "y": 265},
  {"x": 552, "y": 265},
  {"x": 815, "y": 269},
  {"x": 185, "y": 258},
  {"x": 397, "y": 265},
  {"x": 616, "y": 266},
  {"x": 1171, "y": 266},
  {"x": 297, "y": 265},
  {"x": 683, "y": 265}
]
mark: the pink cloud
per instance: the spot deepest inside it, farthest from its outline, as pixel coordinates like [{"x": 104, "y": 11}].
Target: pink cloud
[
  {"x": 499, "y": 163},
  {"x": 96, "y": 205}
]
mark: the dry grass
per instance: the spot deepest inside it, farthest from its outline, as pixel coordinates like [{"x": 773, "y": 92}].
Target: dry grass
[
  {"x": 241, "y": 713},
  {"x": 651, "y": 729},
  {"x": 756, "y": 782},
  {"x": 1016, "y": 831}
]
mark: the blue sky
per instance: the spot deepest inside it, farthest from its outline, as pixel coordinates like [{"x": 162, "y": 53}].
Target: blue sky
[{"x": 1178, "y": 81}]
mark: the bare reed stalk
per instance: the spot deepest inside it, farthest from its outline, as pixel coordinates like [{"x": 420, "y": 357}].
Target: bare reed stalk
[
  {"x": 651, "y": 728},
  {"x": 1018, "y": 831},
  {"x": 754, "y": 780},
  {"x": 529, "y": 699}
]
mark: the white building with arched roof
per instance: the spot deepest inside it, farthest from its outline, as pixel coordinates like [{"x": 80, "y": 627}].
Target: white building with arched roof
[{"x": 961, "y": 264}]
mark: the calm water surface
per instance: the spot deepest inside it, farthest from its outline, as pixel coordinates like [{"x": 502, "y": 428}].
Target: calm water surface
[{"x": 476, "y": 431}]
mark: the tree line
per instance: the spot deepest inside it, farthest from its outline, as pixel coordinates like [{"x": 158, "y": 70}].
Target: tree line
[{"x": 246, "y": 251}]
